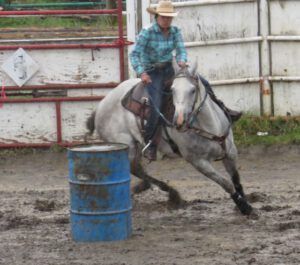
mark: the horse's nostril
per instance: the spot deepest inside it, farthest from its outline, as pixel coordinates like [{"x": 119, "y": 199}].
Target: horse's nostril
[{"x": 178, "y": 127}]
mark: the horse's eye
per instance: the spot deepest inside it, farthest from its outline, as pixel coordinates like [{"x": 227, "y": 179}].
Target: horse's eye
[{"x": 193, "y": 91}]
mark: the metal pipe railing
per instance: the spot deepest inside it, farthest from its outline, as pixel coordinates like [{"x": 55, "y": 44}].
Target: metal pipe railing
[
  {"x": 58, "y": 12},
  {"x": 62, "y": 86},
  {"x": 223, "y": 41},
  {"x": 12, "y": 6},
  {"x": 116, "y": 44},
  {"x": 119, "y": 43},
  {"x": 92, "y": 4},
  {"x": 206, "y": 2}
]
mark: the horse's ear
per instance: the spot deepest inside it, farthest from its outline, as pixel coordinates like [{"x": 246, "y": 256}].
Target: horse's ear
[
  {"x": 175, "y": 66},
  {"x": 193, "y": 69}
]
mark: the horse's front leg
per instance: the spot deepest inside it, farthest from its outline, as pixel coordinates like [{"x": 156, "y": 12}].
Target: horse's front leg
[
  {"x": 230, "y": 167},
  {"x": 206, "y": 168}
]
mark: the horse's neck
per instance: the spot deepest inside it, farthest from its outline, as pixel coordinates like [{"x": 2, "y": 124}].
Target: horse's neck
[{"x": 210, "y": 117}]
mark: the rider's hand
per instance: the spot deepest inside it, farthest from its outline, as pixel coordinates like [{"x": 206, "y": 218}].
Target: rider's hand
[
  {"x": 146, "y": 79},
  {"x": 182, "y": 64}
]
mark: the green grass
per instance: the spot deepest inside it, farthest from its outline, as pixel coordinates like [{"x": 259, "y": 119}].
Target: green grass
[
  {"x": 103, "y": 22},
  {"x": 280, "y": 130},
  {"x": 73, "y": 22},
  {"x": 13, "y": 152},
  {"x": 37, "y": 1}
]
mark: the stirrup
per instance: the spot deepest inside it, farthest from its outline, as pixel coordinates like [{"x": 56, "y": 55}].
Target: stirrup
[
  {"x": 146, "y": 147},
  {"x": 149, "y": 151}
]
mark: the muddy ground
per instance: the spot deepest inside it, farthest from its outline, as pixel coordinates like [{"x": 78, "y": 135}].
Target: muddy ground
[{"x": 35, "y": 227}]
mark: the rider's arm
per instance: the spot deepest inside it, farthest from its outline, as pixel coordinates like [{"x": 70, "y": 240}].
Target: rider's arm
[
  {"x": 138, "y": 52},
  {"x": 181, "y": 54}
]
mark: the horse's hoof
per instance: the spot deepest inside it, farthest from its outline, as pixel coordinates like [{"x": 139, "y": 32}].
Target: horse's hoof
[
  {"x": 246, "y": 209},
  {"x": 175, "y": 200},
  {"x": 242, "y": 204},
  {"x": 142, "y": 186}
]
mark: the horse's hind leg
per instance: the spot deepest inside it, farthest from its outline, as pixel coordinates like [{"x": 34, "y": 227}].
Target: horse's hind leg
[
  {"x": 230, "y": 167},
  {"x": 138, "y": 170}
]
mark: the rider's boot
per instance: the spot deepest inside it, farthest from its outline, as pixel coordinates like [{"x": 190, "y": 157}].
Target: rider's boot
[
  {"x": 234, "y": 115},
  {"x": 150, "y": 149}
]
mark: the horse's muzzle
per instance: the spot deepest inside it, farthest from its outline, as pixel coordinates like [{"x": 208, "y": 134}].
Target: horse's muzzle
[{"x": 179, "y": 120}]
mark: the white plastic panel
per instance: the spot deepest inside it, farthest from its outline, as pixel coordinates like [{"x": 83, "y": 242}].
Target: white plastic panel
[
  {"x": 284, "y": 16},
  {"x": 230, "y": 61},
  {"x": 286, "y": 98},
  {"x": 73, "y": 66},
  {"x": 218, "y": 21},
  {"x": 74, "y": 116},
  {"x": 28, "y": 123},
  {"x": 243, "y": 97},
  {"x": 285, "y": 58}
]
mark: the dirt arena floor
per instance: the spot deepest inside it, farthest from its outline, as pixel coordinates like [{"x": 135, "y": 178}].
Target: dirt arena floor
[{"x": 35, "y": 227}]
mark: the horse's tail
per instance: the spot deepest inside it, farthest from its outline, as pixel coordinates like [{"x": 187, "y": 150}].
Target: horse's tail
[{"x": 90, "y": 123}]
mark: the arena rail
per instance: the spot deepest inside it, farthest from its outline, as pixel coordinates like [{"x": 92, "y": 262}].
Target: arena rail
[{"x": 118, "y": 43}]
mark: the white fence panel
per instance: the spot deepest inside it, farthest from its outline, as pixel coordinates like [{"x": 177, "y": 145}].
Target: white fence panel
[
  {"x": 284, "y": 17},
  {"x": 222, "y": 37},
  {"x": 248, "y": 49},
  {"x": 28, "y": 123},
  {"x": 73, "y": 66},
  {"x": 223, "y": 62},
  {"x": 286, "y": 98},
  {"x": 36, "y": 122},
  {"x": 285, "y": 53},
  {"x": 285, "y": 58},
  {"x": 74, "y": 117},
  {"x": 217, "y": 22}
]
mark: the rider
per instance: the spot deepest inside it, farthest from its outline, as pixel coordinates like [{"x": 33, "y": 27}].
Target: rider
[{"x": 151, "y": 58}]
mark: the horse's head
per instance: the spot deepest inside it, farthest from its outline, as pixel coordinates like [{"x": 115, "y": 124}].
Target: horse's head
[{"x": 185, "y": 93}]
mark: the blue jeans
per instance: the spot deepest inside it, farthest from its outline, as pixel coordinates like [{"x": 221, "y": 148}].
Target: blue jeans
[{"x": 160, "y": 77}]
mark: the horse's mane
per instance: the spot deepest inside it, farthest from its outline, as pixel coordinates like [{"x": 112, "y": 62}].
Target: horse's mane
[{"x": 184, "y": 72}]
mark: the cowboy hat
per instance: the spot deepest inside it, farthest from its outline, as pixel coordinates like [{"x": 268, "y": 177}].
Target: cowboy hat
[{"x": 164, "y": 8}]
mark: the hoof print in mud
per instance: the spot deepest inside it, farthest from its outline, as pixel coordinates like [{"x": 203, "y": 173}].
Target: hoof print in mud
[{"x": 44, "y": 205}]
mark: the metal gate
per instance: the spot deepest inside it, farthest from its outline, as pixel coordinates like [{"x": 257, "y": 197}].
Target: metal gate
[
  {"x": 247, "y": 49},
  {"x": 84, "y": 68}
]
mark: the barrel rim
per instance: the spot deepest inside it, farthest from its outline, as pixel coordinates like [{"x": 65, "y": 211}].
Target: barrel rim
[{"x": 76, "y": 148}]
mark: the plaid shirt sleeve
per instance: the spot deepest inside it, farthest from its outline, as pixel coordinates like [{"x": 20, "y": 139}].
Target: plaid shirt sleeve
[
  {"x": 137, "y": 52},
  {"x": 181, "y": 54}
]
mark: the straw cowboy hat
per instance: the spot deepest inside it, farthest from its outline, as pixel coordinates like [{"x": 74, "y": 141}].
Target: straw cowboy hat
[{"x": 164, "y": 8}]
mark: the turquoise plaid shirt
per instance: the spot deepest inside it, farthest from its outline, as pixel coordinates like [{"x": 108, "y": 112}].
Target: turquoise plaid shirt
[{"x": 154, "y": 47}]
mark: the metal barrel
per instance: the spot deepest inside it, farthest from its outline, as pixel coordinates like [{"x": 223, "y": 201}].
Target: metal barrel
[{"x": 99, "y": 177}]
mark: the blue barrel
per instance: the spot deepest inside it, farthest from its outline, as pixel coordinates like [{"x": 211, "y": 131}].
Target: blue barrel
[{"x": 99, "y": 177}]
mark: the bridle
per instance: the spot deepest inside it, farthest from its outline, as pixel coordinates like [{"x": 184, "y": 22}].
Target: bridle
[
  {"x": 184, "y": 73},
  {"x": 196, "y": 110}
]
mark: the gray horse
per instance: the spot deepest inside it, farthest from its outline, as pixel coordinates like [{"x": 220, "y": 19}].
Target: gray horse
[{"x": 201, "y": 132}]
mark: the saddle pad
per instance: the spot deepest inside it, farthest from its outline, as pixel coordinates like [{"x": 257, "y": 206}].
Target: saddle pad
[{"x": 136, "y": 100}]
